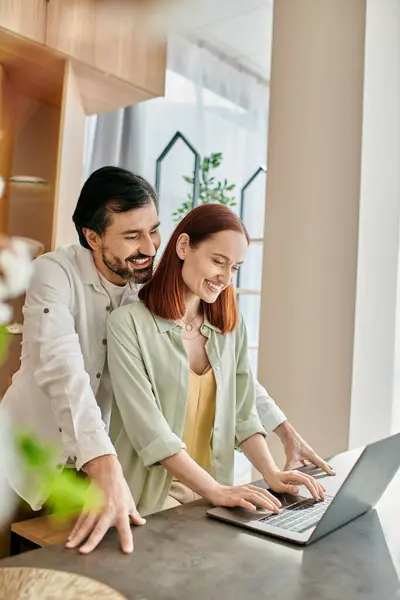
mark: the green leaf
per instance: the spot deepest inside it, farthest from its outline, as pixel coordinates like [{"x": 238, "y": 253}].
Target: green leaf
[
  {"x": 33, "y": 453},
  {"x": 4, "y": 337},
  {"x": 216, "y": 159},
  {"x": 188, "y": 179},
  {"x": 68, "y": 494},
  {"x": 231, "y": 187},
  {"x": 65, "y": 492}
]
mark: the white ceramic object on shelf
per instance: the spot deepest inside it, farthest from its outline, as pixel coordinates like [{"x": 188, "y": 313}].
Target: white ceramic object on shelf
[{"x": 35, "y": 247}]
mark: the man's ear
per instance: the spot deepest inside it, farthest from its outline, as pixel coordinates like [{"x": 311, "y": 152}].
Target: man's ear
[
  {"x": 182, "y": 245},
  {"x": 92, "y": 238}
]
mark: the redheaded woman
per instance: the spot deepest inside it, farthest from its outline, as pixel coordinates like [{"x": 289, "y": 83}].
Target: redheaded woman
[{"x": 184, "y": 390}]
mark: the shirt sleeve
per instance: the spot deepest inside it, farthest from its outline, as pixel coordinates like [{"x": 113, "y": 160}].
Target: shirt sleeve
[
  {"x": 247, "y": 419},
  {"x": 270, "y": 414},
  {"x": 147, "y": 429},
  {"x": 49, "y": 329}
]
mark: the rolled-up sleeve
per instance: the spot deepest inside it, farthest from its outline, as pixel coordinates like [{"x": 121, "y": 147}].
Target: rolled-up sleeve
[
  {"x": 49, "y": 329},
  {"x": 145, "y": 425},
  {"x": 247, "y": 419},
  {"x": 270, "y": 414}
]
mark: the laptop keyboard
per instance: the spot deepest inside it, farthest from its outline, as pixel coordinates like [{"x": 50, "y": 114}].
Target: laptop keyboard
[{"x": 300, "y": 516}]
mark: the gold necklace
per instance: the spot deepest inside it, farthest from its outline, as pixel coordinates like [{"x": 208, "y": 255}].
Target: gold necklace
[{"x": 189, "y": 326}]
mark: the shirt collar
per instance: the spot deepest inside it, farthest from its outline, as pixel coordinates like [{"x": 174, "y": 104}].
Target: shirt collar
[{"x": 87, "y": 268}]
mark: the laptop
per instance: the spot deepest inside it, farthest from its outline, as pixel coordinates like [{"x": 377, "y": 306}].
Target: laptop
[{"x": 302, "y": 520}]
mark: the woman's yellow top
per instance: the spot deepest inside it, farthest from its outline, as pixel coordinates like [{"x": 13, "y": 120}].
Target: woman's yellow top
[{"x": 199, "y": 420}]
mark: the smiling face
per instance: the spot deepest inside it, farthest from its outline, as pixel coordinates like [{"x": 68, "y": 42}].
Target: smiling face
[
  {"x": 126, "y": 250},
  {"x": 212, "y": 265}
]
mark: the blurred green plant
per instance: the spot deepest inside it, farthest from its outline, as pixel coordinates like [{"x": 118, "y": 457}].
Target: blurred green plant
[
  {"x": 66, "y": 493},
  {"x": 211, "y": 191},
  {"x": 3, "y": 342}
]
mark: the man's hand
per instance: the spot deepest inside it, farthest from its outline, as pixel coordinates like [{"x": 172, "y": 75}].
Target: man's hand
[
  {"x": 118, "y": 507},
  {"x": 298, "y": 451}
]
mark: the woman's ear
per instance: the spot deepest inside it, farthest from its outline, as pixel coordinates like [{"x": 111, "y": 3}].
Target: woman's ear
[{"x": 182, "y": 245}]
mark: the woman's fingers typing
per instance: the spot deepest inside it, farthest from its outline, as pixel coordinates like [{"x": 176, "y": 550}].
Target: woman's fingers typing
[
  {"x": 265, "y": 494},
  {"x": 246, "y": 496},
  {"x": 252, "y": 497}
]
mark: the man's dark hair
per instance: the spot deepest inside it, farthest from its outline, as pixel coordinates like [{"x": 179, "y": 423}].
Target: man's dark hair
[{"x": 109, "y": 190}]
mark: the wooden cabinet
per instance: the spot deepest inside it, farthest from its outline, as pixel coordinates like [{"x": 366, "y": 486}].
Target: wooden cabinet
[
  {"x": 93, "y": 56},
  {"x": 25, "y": 17},
  {"x": 108, "y": 35},
  {"x": 111, "y": 37},
  {"x": 117, "y": 61},
  {"x": 70, "y": 159}
]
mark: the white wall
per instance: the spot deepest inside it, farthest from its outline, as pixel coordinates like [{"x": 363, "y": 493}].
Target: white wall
[
  {"x": 374, "y": 341},
  {"x": 313, "y": 192}
]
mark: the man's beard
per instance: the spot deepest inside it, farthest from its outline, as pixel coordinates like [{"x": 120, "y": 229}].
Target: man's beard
[{"x": 121, "y": 268}]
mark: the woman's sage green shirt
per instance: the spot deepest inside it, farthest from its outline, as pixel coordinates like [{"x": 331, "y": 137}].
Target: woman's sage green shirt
[{"x": 149, "y": 369}]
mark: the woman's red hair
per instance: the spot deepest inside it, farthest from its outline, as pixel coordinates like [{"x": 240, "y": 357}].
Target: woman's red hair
[{"x": 163, "y": 295}]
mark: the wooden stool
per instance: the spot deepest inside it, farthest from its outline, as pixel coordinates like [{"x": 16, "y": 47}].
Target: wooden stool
[{"x": 38, "y": 533}]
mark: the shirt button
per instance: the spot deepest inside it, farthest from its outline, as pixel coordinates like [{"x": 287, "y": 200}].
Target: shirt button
[
  {"x": 217, "y": 368},
  {"x": 60, "y": 430},
  {"x": 104, "y": 342},
  {"x": 98, "y": 375},
  {"x": 108, "y": 307},
  {"x": 46, "y": 310}
]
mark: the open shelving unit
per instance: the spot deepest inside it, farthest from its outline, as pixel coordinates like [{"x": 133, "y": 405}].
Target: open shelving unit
[{"x": 54, "y": 71}]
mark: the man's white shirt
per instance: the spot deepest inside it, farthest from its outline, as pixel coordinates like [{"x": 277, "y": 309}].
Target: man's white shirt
[{"x": 62, "y": 391}]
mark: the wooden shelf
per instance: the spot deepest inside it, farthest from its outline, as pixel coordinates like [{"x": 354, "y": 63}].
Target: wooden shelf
[
  {"x": 252, "y": 347},
  {"x": 246, "y": 292},
  {"x": 256, "y": 240}
]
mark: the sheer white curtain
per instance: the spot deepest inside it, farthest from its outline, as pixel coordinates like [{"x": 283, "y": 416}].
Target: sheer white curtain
[{"x": 218, "y": 108}]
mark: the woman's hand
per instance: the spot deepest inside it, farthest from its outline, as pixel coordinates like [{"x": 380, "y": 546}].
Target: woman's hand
[
  {"x": 245, "y": 496},
  {"x": 289, "y": 481}
]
